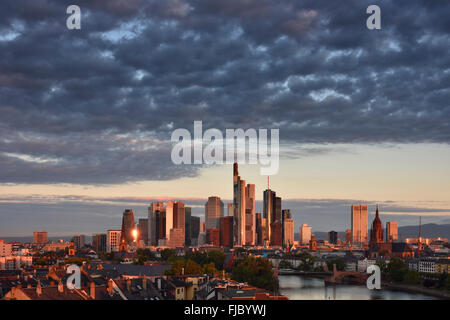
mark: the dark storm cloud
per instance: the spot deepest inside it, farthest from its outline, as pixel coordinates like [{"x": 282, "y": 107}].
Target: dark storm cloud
[{"x": 138, "y": 69}]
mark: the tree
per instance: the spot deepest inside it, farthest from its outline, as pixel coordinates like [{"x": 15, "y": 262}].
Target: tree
[
  {"x": 284, "y": 264},
  {"x": 144, "y": 255},
  {"x": 340, "y": 264},
  {"x": 198, "y": 257},
  {"x": 256, "y": 271},
  {"x": 442, "y": 278},
  {"x": 77, "y": 261},
  {"x": 397, "y": 269},
  {"x": 192, "y": 267},
  {"x": 167, "y": 254},
  {"x": 382, "y": 265},
  {"x": 411, "y": 277},
  {"x": 447, "y": 283},
  {"x": 306, "y": 261},
  {"x": 210, "y": 269},
  {"x": 177, "y": 268},
  {"x": 189, "y": 266},
  {"x": 217, "y": 257},
  {"x": 239, "y": 250}
]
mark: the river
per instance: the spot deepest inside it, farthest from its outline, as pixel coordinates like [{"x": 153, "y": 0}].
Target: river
[{"x": 306, "y": 288}]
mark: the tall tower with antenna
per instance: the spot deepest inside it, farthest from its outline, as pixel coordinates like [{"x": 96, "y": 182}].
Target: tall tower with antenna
[{"x": 419, "y": 238}]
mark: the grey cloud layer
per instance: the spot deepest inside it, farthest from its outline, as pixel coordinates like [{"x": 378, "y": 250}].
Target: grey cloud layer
[{"x": 141, "y": 68}]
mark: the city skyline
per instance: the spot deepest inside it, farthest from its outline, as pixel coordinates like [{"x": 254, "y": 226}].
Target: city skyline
[{"x": 87, "y": 116}]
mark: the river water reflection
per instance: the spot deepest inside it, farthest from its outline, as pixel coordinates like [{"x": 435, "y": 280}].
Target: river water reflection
[{"x": 306, "y": 288}]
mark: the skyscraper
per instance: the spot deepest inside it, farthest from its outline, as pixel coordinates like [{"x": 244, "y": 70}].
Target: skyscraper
[
  {"x": 143, "y": 231},
  {"x": 195, "y": 230},
  {"x": 230, "y": 209},
  {"x": 213, "y": 236},
  {"x": 332, "y": 237},
  {"x": 258, "y": 229},
  {"x": 128, "y": 227},
  {"x": 359, "y": 222},
  {"x": 288, "y": 227},
  {"x": 113, "y": 240},
  {"x": 348, "y": 236},
  {"x": 160, "y": 225},
  {"x": 226, "y": 231},
  {"x": 79, "y": 241},
  {"x": 213, "y": 212},
  {"x": 276, "y": 226},
  {"x": 169, "y": 219},
  {"x": 175, "y": 219},
  {"x": 153, "y": 235},
  {"x": 249, "y": 215},
  {"x": 40, "y": 237},
  {"x": 391, "y": 231},
  {"x": 99, "y": 242},
  {"x": 238, "y": 207},
  {"x": 268, "y": 211},
  {"x": 285, "y": 214},
  {"x": 305, "y": 234},
  {"x": 187, "y": 226}
]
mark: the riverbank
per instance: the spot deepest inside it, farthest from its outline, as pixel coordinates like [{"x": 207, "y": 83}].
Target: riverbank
[{"x": 415, "y": 289}]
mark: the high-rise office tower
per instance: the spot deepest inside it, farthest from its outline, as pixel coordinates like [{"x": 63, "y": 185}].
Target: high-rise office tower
[
  {"x": 243, "y": 210},
  {"x": 249, "y": 215},
  {"x": 99, "y": 242},
  {"x": 127, "y": 236},
  {"x": 348, "y": 236},
  {"x": 230, "y": 210},
  {"x": 169, "y": 218},
  {"x": 305, "y": 234},
  {"x": 275, "y": 236},
  {"x": 391, "y": 231},
  {"x": 79, "y": 241},
  {"x": 226, "y": 231},
  {"x": 195, "y": 230},
  {"x": 160, "y": 225},
  {"x": 40, "y": 237},
  {"x": 268, "y": 211},
  {"x": 213, "y": 236},
  {"x": 288, "y": 227},
  {"x": 213, "y": 212},
  {"x": 332, "y": 237},
  {"x": 264, "y": 229},
  {"x": 113, "y": 240},
  {"x": 153, "y": 210},
  {"x": 175, "y": 219},
  {"x": 276, "y": 227},
  {"x": 187, "y": 226},
  {"x": 359, "y": 222},
  {"x": 143, "y": 230},
  {"x": 238, "y": 207},
  {"x": 285, "y": 214},
  {"x": 258, "y": 229}
]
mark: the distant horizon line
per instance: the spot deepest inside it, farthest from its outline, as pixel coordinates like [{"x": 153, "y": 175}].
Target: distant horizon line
[{"x": 90, "y": 234}]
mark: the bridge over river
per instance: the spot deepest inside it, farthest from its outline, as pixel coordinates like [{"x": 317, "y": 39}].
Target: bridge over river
[{"x": 334, "y": 277}]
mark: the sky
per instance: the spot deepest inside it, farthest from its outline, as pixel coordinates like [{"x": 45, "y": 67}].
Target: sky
[{"x": 86, "y": 116}]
